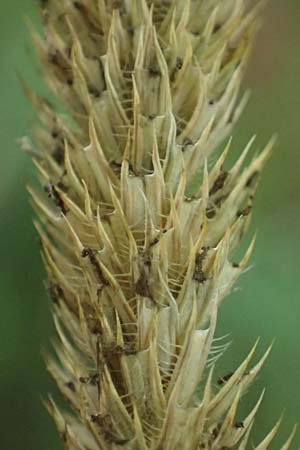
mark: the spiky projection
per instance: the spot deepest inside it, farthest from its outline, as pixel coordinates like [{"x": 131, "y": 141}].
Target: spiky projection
[{"x": 142, "y": 219}]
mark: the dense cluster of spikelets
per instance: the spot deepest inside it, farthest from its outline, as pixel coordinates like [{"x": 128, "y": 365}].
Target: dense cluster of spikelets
[{"x": 141, "y": 219}]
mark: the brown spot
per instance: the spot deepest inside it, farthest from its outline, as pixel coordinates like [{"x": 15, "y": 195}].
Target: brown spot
[
  {"x": 219, "y": 183},
  {"x": 54, "y": 57},
  {"x": 116, "y": 164},
  {"x": 101, "y": 419},
  {"x": 55, "y": 134},
  {"x": 199, "y": 276},
  {"x": 130, "y": 349},
  {"x": 62, "y": 186},
  {"x": 95, "y": 326},
  {"x": 113, "y": 349},
  {"x": 79, "y": 6},
  {"x": 217, "y": 27},
  {"x": 88, "y": 252},
  {"x": 53, "y": 193},
  {"x": 92, "y": 379},
  {"x": 216, "y": 430},
  {"x": 104, "y": 421},
  {"x": 252, "y": 179},
  {"x": 179, "y": 63},
  {"x": 93, "y": 91},
  {"x": 142, "y": 286},
  {"x": 57, "y": 59},
  {"x": 210, "y": 212},
  {"x": 199, "y": 273},
  {"x": 186, "y": 142},
  {"x": 59, "y": 202},
  {"x": 47, "y": 189},
  {"x": 225, "y": 378},
  {"x": 154, "y": 71},
  {"x": 55, "y": 292},
  {"x": 155, "y": 241},
  {"x": 70, "y": 385},
  {"x": 244, "y": 212},
  {"x": 64, "y": 436},
  {"x": 58, "y": 154},
  {"x": 68, "y": 51}
]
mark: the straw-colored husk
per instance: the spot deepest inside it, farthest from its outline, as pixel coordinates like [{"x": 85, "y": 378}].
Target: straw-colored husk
[{"x": 142, "y": 219}]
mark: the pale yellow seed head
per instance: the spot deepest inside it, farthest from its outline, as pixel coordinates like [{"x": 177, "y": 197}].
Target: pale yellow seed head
[{"x": 142, "y": 219}]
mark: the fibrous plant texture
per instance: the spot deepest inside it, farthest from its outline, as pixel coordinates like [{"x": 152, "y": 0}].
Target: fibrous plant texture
[{"x": 142, "y": 220}]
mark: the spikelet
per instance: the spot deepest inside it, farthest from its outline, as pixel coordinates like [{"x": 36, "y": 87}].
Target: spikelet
[{"x": 142, "y": 220}]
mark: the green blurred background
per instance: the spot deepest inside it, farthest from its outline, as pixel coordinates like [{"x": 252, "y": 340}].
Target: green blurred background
[{"x": 268, "y": 303}]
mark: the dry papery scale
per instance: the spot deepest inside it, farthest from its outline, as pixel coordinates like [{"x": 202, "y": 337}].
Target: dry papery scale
[{"x": 141, "y": 218}]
